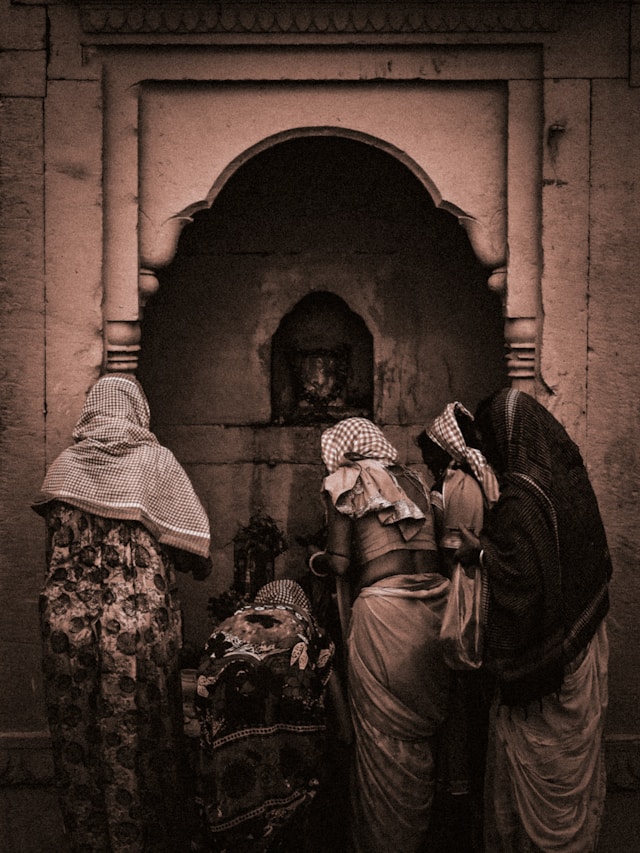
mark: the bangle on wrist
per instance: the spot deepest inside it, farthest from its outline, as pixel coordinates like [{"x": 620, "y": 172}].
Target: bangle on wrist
[
  {"x": 311, "y": 561},
  {"x": 481, "y": 558}
]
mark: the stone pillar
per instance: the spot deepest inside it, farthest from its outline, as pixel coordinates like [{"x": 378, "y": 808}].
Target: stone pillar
[
  {"x": 521, "y": 293},
  {"x": 520, "y": 335},
  {"x": 122, "y": 337}
]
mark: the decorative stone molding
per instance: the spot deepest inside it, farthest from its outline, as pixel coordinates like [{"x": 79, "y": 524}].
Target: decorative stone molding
[
  {"x": 148, "y": 284},
  {"x": 520, "y": 334},
  {"x": 497, "y": 281},
  {"x": 384, "y": 18},
  {"x": 159, "y": 238},
  {"x": 487, "y": 246},
  {"x": 122, "y": 346},
  {"x": 148, "y": 180}
]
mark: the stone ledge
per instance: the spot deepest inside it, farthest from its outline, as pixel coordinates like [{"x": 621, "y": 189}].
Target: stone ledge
[
  {"x": 26, "y": 759},
  {"x": 623, "y": 763}
]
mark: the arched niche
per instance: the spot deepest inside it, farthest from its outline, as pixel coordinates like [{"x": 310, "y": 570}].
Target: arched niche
[
  {"x": 320, "y": 215},
  {"x": 471, "y": 125},
  {"x": 321, "y": 363},
  {"x": 159, "y": 241}
]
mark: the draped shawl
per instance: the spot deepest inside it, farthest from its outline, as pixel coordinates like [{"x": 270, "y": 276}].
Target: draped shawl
[
  {"x": 359, "y": 459},
  {"x": 446, "y": 433},
  {"x": 545, "y": 549},
  {"x": 118, "y": 469}
]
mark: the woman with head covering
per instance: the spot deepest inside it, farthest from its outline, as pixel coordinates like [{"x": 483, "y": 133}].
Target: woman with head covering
[
  {"x": 261, "y": 701},
  {"x": 465, "y": 485},
  {"x": 544, "y": 551},
  {"x": 464, "y": 481},
  {"x": 380, "y": 535},
  {"x": 121, "y": 515}
]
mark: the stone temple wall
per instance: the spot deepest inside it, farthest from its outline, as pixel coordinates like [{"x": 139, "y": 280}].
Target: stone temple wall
[{"x": 561, "y": 160}]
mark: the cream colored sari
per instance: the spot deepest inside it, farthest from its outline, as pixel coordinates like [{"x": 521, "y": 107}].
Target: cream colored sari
[
  {"x": 398, "y": 689},
  {"x": 546, "y": 783}
]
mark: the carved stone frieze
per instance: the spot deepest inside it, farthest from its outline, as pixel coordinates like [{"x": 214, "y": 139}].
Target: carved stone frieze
[{"x": 388, "y": 18}]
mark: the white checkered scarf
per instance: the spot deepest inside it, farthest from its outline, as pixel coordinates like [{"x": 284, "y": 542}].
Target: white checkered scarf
[
  {"x": 118, "y": 469},
  {"x": 358, "y": 456},
  {"x": 445, "y": 432},
  {"x": 283, "y": 591},
  {"x": 353, "y": 439}
]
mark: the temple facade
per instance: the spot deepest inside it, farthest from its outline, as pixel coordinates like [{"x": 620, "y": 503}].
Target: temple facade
[{"x": 280, "y": 214}]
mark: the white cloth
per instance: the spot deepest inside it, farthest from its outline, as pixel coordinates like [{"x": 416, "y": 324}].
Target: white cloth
[
  {"x": 548, "y": 780},
  {"x": 118, "y": 469}
]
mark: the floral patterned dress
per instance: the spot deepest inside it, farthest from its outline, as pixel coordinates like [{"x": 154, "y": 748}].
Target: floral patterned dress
[
  {"x": 260, "y": 695},
  {"x": 112, "y": 632}
]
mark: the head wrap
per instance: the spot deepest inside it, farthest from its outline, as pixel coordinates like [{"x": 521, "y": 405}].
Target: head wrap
[
  {"x": 545, "y": 547},
  {"x": 353, "y": 439},
  {"x": 358, "y": 457},
  {"x": 283, "y": 591},
  {"x": 117, "y": 469},
  {"x": 446, "y": 433}
]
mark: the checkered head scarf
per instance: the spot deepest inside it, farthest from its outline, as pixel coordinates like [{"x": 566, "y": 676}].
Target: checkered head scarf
[
  {"x": 118, "y": 469},
  {"x": 446, "y": 433},
  {"x": 353, "y": 439},
  {"x": 285, "y": 592},
  {"x": 358, "y": 458}
]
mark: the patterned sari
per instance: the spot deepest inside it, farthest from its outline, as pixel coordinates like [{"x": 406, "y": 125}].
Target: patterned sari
[
  {"x": 112, "y": 633},
  {"x": 260, "y": 698}
]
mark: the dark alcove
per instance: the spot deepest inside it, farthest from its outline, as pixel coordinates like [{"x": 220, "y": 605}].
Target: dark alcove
[{"x": 321, "y": 363}]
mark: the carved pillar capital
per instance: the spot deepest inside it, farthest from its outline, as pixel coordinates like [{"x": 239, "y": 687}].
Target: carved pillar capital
[
  {"x": 122, "y": 337},
  {"x": 122, "y": 345},
  {"x": 520, "y": 336},
  {"x": 158, "y": 243},
  {"x": 148, "y": 284},
  {"x": 486, "y": 243},
  {"x": 497, "y": 281}
]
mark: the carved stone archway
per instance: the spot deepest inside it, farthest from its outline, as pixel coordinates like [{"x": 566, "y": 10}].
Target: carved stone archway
[{"x": 473, "y": 145}]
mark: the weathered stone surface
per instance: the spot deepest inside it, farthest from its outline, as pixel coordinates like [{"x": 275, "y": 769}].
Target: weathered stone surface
[
  {"x": 21, "y": 28},
  {"x": 565, "y": 247},
  {"x": 613, "y": 386},
  {"x": 634, "y": 47},
  {"x": 592, "y": 41},
  {"x": 22, "y": 73},
  {"x": 31, "y": 821},
  {"x": 22, "y": 344},
  {"x": 74, "y": 246},
  {"x": 26, "y": 759}
]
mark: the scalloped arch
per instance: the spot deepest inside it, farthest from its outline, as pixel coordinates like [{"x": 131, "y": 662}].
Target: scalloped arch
[{"x": 486, "y": 248}]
